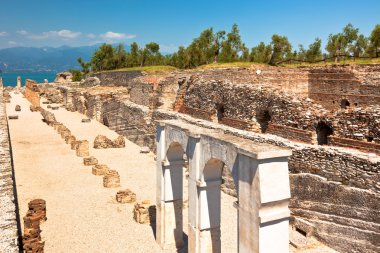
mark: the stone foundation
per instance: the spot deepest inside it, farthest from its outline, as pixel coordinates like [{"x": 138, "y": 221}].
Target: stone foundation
[
  {"x": 125, "y": 196},
  {"x": 144, "y": 213},
  {"x": 111, "y": 179}
]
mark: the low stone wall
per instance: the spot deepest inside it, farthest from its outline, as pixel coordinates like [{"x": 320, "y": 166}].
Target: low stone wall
[
  {"x": 292, "y": 133},
  {"x": 345, "y": 218},
  {"x": 32, "y": 92},
  {"x": 117, "y": 78},
  {"x": 349, "y": 143},
  {"x": 8, "y": 221}
]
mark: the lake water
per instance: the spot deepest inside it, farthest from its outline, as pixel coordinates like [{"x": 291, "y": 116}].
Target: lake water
[{"x": 10, "y": 79}]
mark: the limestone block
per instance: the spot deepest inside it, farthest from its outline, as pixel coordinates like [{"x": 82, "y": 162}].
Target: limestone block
[
  {"x": 69, "y": 139},
  {"x": 13, "y": 117},
  {"x": 82, "y": 149},
  {"x": 119, "y": 142},
  {"x": 74, "y": 144},
  {"x": 86, "y": 120},
  {"x": 144, "y": 213},
  {"x": 100, "y": 169},
  {"x": 111, "y": 179},
  {"x": 17, "y": 108},
  {"x": 34, "y": 108},
  {"x": 144, "y": 150},
  {"x": 125, "y": 196},
  {"x": 65, "y": 133},
  {"x": 102, "y": 141},
  {"x": 90, "y": 161}
]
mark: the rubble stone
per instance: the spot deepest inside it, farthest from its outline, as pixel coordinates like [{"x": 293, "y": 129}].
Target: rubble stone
[
  {"x": 100, "y": 169},
  {"x": 90, "y": 161},
  {"x": 144, "y": 213},
  {"x": 111, "y": 179},
  {"x": 125, "y": 196},
  {"x": 82, "y": 149},
  {"x": 17, "y": 108}
]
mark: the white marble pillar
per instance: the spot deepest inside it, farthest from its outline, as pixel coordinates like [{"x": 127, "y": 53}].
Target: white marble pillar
[
  {"x": 263, "y": 214},
  {"x": 169, "y": 200}
]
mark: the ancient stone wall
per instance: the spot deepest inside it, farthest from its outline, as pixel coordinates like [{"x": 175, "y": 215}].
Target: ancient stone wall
[
  {"x": 8, "y": 221},
  {"x": 32, "y": 92},
  {"x": 117, "y": 78},
  {"x": 338, "y": 86}
]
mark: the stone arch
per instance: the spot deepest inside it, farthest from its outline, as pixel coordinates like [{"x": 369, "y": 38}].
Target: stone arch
[
  {"x": 106, "y": 121},
  {"x": 344, "y": 103},
  {"x": 323, "y": 131},
  {"x": 220, "y": 111},
  {"x": 263, "y": 117}
]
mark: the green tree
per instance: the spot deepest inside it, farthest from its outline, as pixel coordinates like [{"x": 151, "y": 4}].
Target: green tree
[
  {"x": 77, "y": 75},
  {"x": 85, "y": 66},
  {"x": 261, "y": 53},
  {"x": 338, "y": 44},
  {"x": 281, "y": 49},
  {"x": 133, "y": 59},
  {"x": 359, "y": 46},
  {"x": 314, "y": 52},
  {"x": 232, "y": 46},
  {"x": 375, "y": 40}
]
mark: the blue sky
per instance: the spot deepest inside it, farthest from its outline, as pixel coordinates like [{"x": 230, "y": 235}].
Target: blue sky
[{"x": 173, "y": 23}]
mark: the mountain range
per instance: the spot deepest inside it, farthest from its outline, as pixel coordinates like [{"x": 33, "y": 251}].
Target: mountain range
[{"x": 44, "y": 59}]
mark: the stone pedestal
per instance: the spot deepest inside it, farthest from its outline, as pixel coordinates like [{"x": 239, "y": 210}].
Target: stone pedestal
[
  {"x": 90, "y": 161},
  {"x": 125, "y": 196},
  {"x": 100, "y": 170},
  {"x": 144, "y": 213},
  {"x": 82, "y": 149},
  {"x": 111, "y": 179}
]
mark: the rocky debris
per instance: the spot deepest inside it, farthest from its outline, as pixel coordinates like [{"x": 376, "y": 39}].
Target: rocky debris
[
  {"x": 17, "y": 108},
  {"x": 144, "y": 213},
  {"x": 6, "y": 95},
  {"x": 86, "y": 120},
  {"x": 90, "y": 81},
  {"x": 126, "y": 196},
  {"x": 31, "y": 239},
  {"x": 100, "y": 169},
  {"x": 74, "y": 144},
  {"x": 82, "y": 149},
  {"x": 13, "y": 117},
  {"x": 111, "y": 179},
  {"x": 34, "y": 108},
  {"x": 52, "y": 95},
  {"x": 65, "y": 133},
  {"x": 119, "y": 142},
  {"x": 90, "y": 161},
  {"x": 69, "y": 139},
  {"x": 46, "y": 102},
  {"x": 70, "y": 108},
  {"x": 55, "y": 107},
  {"x": 49, "y": 117},
  {"x": 144, "y": 150},
  {"x": 64, "y": 77},
  {"x": 102, "y": 141}
]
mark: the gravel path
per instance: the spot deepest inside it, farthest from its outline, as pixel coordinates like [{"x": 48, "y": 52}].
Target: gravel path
[{"x": 83, "y": 216}]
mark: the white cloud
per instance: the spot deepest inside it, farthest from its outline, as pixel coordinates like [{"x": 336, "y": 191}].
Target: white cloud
[
  {"x": 113, "y": 35},
  {"x": 3, "y": 34},
  {"x": 65, "y": 34},
  {"x": 69, "y": 34},
  {"x": 22, "y": 32},
  {"x": 12, "y": 43},
  {"x": 91, "y": 36}
]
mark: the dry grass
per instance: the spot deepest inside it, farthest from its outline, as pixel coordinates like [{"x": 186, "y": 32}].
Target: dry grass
[
  {"x": 152, "y": 70},
  {"x": 328, "y": 63},
  {"x": 232, "y": 65}
]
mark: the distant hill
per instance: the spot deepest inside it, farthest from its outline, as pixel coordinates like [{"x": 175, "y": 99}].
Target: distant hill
[{"x": 44, "y": 59}]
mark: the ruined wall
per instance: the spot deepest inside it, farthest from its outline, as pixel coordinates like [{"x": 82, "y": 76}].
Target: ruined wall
[
  {"x": 32, "y": 92},
  {"x": 117, "y": 78},
  {"x": 358, "y": 84},
  {"x": 8, "y": 221},
  {"x": 335, "y": 191}
]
